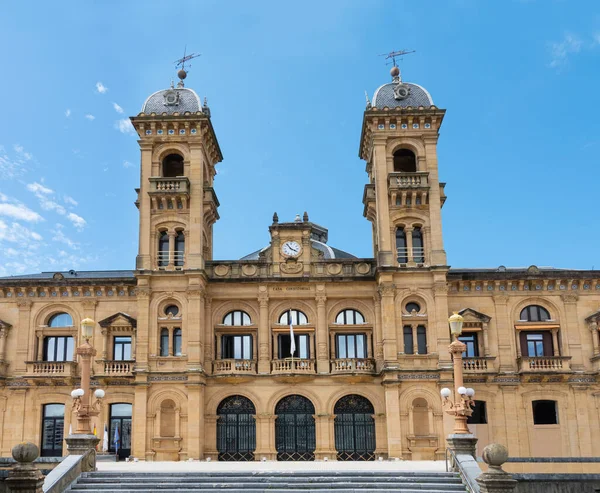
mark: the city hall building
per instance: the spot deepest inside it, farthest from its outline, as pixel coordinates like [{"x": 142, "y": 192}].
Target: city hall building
[{"x": 196, "y": 357}]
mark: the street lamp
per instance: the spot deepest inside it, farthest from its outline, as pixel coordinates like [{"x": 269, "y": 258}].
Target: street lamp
[
  {"x": 81, "y": 397},
  {"x": 461, "y": 407}
]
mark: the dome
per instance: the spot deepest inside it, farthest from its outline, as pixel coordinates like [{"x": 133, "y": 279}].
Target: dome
[
  {"x": 388, "y": 95},
  {"x": 328, "y": 252},
  {"x": 173, "y": 100}
]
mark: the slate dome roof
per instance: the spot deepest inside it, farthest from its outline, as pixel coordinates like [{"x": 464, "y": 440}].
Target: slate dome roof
[
  {"x": 172, "y": 100},
  {"x": 417, "y": 96}
]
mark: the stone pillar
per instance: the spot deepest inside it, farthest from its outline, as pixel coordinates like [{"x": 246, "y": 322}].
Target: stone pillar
[
  {"x": 209, "y": 337},
  {"x": 324, "y": 424},
  {"x": 592, "y": 325},
  {"x": 409, "y": 245},
  {"x": 210, "y": 443},
  {"x": 486, "y": 343},
  {"x": 195, "y": 420},
  {"x": 24, "y": 477},
  {"x": 463, "y": 444},
  {"x": 571, "y": 332},
  {"x": 265, "y": 437},
  {"x": 322, "y": 330},
  {"x": 378, "y": 353},
  {"x": 264, "y": 336},
  {"x": 23, "y": 337},
  {"x": 193, "y": 335},
  {"x": 140, "y": 404},
  {"x": 3, "y": 336},
  {"x": 496, "y": 480},
  {"x": 392, "y": 412},
  {"x": 171, "y": 264},
  {"x": 414, "y": 338},
  {"x": 555, "y": 347},
  {"x": 384, "y": 255},
  {"x": 388, "y": 317},
  {"x": 105, "y": 343}
]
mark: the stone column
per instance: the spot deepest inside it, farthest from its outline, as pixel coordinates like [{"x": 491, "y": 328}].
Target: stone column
[
  {"x": 571, "y": 332},
  {"x": 496, "y": 480},
  {"x": 105, "y": 343},
  {"x": 140, "y": 405},
  {"x": 324, "y": 424},
  {"x": 195, "y": 421},
  {"x": 409, "y": 246},
  {"x": 555, "y": 347},
  {"x": 486, "y": 343},
  {"x": 392, "y": 411},
  {"x": 388, "y": 317},
  {"x": 265, "y": 437},
  {"x": 171, "y": 265},
  {"x": 23, "y": 337},
  {"x": 414, "y": 338},
  {"x": 3, "y": 336},
  {"x": 264, "y": 336},
  {"x": 24, "y": 477},
  {"x": 208, "y": 334},
  {"x": 593, "y": 326},
  {"x": 322, "y": 330},
  {"x": 384, "y": 255},
  {"x": 210, "y": 443},
  {"x": 193, "y": 333},
  {"x": 378, "y": 354}
]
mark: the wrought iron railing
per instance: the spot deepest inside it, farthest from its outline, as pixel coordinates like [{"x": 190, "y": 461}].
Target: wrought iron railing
[
  {"x": 403, "y": 255},
  {"x": 177, "y": 258}
]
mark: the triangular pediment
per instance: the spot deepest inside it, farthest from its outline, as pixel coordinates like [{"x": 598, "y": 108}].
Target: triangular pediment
[
  {"x": 594, "y": 317},
  {"x": 4, "y": 325},
  {"x": 119, "y": 319},
  {"x": 474, "y": 316}
]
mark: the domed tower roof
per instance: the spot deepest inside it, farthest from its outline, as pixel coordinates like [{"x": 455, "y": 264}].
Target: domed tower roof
[
  {"x": 172, "y": 100},
  {"x": 401, "y": 94}
]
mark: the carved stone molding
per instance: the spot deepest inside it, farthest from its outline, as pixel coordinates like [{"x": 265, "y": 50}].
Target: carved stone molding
[
  {"x": 321, "y": 300},
  {"x": 386, "y": 289},
  {"x": 569, "y": 297},
  {"x": 291, "y": 267},
  {"x": 24, "y": 304},
  {"x": 89, "y": 304},
  {"x": 143, "y": 293}
]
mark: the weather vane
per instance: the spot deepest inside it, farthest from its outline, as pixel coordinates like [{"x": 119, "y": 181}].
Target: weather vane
[
  {"x": 394, "y": 54},
  {"x": 182, "y": 73}
]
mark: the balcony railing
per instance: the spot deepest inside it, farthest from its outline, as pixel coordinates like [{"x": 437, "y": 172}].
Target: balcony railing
[
  {"x": 293, "y": 366},
  {"x": 353, "y": 365},
  {"x": 418, "y": 255},
  {"x": 52, "y": 368},
  {"x": 175, "y": 185},
  {"x": 122, "y": 368},
  {"x": 409, "y": 180},
  {"x": 228, "y": 366},
  {"x": 475, "y": 365},
  {"x": 177, "y": 259},
  {"x": 545, "y": 363}
]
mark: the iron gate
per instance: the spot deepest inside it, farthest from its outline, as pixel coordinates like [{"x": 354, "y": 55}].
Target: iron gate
[
  {"x": 295, "y": 437},
  {"x": 236, "y": 429},
  {"x": 354, "y": 428}
]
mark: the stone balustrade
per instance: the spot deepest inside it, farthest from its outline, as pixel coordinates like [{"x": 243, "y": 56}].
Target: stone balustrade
[
  {"x": 402, "y": 180},
  {"x": 51, "y": 368},
  {"x": 293, "y": 366},
  {"x": 475, "y": 365},
  {"x": 176, "y": 185},
  {"x": 229, "y": 366},
  {"x": 353, "y": 365},
  {"x": 124, "y": 368},
  {"x": 545, "y": 363}
]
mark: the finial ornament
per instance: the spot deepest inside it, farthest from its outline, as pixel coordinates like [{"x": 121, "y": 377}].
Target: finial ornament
[
  {"x": 182, "y": 72},
  {"x": 369, "y": 106},
  {"x": 305, "y": 217},
  {"x": 275, "y": 218}
]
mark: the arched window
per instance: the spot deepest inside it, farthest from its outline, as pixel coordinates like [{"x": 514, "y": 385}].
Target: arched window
[
  {"x": 401, "y": 249},
  {"x": 405, "y": 161},
  {"x": 164, "y": 342},
  {"x": 295, "y": 435},
  {"x": 172, "y": 310},
  {"x": 350, "y": 317},
  {"x": 534, "y": 313},
  {"x": 163, "y": 249},
  {"x": 179, "y": 248},
  {"x": 60, "y": 320},
  {"x": 236, "y": 429},
  {"x": 297, "y": 318},
  {"x": 237, "y": 317},
  {"x": 172, "y": 166},
  {"x": 417, "y": 244},
  {"x": 412, "y": 306},
  {"x": 354, "y": 428},
  {"x": 545, "y": 412},
  {"x": 177, "y": 342}
]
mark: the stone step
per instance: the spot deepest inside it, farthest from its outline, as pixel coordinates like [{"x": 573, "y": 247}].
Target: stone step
[
  {"x": 270, "y": 474},
  {"x": 275, "y": 485},
  {"x": 269, "y": 479},
  {"x": 175, "y": 489}
]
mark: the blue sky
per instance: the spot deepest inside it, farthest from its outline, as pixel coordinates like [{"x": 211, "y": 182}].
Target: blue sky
[{"x": 285, "y": 83}]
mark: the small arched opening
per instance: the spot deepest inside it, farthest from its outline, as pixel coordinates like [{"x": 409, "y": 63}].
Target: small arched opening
[
  {"x": 172, "y": 166},
  {"x": 405, "y": 161}
]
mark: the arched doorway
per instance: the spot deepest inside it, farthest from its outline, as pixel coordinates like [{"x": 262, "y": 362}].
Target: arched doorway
[
  {"x": 354, "y": 428},
  {"x": 236, "y": 429},
  {"x": 295, "y": 437}
]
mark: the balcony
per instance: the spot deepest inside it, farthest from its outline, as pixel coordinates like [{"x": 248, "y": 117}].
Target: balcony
[
  {"x": 170, "y": 261},
  {"x": 118, "y": 368},
  {"x": 285, "y": 366},
  {"x": 167, "y": 186},
  {"x": 404, "y": 180},
  {"x": 234, "y": 367},
  {"x": 478, "y": 365},
  {"x": 545, "y": 364},
  {"x": 51, "y": 368},
  {"x": 353, "y": 365}
]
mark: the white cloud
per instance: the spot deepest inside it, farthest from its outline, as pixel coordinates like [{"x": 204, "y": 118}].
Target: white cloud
[
  {"x": 78, "y": 221},
  {"x": 21, "y": 152},
  {"x": 38, "y": 188},
  {"x": 117, "y": 108},
  {"x": 60, "y": 237},
  {"x": 20, "y": 212},
  {"x": 124, "y": 126},
  {"x": 101, "y": 88},
  {"x": 127, "y": 164},
  {"x": 17, "y": 233},
  {"x": 560, "y": 51},
  {"x": 68, "y": 113},
  {"x": 90, "y": 117},
  {"x": 69, "y": 200}
]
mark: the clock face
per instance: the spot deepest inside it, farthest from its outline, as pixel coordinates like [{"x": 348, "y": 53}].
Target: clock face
[{"x": 291, "y": 248}]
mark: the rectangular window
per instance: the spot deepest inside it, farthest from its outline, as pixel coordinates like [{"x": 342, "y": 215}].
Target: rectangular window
[
  {"x": 545, "y": 413},
  {"x": 479, "y": 416},
  {"x": 164, "y": 342},
  {"x": 408, "y": 340},
  {"x": 351, "y": 346},
  {"x": 58, "y": 348},
  {"x": 122, "y": 348},
  {"x": 535, "y": 345},
  {"x": 177, "y": 342},
  {"x": 470, "y": 340},
  {"x": 236, "y": 347},
  {"x": 421, "y": 339},
  {"x": 284, "y": 349}
]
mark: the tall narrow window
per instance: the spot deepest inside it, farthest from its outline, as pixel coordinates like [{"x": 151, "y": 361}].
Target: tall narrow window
[
  {"x": 163, "y": 249},
  {"x": 58, "y": 348},
  {"x": 470, "y": 340},
  {"x": 53, "y": 426},
  {"x": 236, "y": 347},
  {"x": 351, "y": 346},
  {"x": 401, "y": 249},
  {"x": 122, "y": 348},
  {"x": 421, "y": 339},
  {"x": 177, "y": 342},
  {"x": 534, "y": 344},
  {"x": 417, "y": 244},
  {"x": 302, "y": 342},
  {"x": 179, "y": 255},
  {"x": 408, "y": 340},
  {"x": 164, "y": 342}
]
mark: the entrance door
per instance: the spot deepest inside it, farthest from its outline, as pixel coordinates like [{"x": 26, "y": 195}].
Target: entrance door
[
  {"x": 53, "y": 428},
  {"x": 119, "y": 433},
  {"x": 295, "y": 437},
  {"x": 354, "y": 428},
  {"x": 236, "y": 429}
]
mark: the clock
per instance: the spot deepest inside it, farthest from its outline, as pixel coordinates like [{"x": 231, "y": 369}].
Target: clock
[{"x": 291, "y": 249}]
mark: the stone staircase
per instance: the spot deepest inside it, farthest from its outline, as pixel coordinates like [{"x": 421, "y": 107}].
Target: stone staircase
[{"x": 270, "y": 482}]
